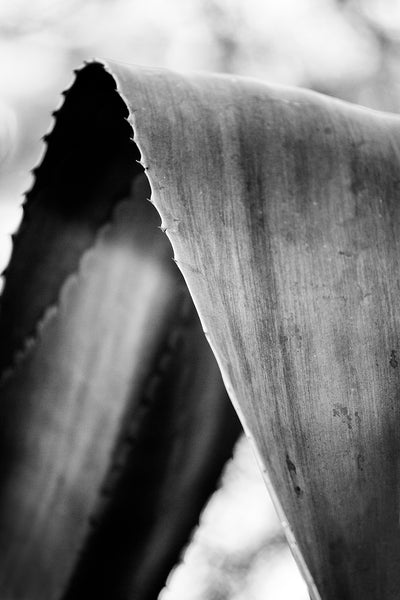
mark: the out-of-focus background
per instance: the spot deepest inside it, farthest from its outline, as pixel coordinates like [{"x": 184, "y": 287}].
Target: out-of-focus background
[{"x": 345, "y": 48}]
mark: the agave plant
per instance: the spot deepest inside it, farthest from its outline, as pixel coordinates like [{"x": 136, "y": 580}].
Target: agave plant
[{"x": 281, "y": 209}]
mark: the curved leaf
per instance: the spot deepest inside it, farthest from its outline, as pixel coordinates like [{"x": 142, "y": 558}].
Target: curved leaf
[{"x": 281, "y": 208}]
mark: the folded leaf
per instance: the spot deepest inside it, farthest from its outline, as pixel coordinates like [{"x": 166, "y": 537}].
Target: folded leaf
[{"x": 281, "y": 208}]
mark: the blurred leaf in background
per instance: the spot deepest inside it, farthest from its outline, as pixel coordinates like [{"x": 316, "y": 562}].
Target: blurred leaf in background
[{"x": 345, "y": 48}]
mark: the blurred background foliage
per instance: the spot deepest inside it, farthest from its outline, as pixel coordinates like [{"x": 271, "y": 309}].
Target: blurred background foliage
[{"x": 345, "y": 48}]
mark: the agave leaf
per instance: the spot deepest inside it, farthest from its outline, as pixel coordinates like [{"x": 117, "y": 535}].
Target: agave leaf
[
  {"x": 281, "y": 206},
  {"x": 114, "y": 421},
  {"x": 281, "y": 209}
]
